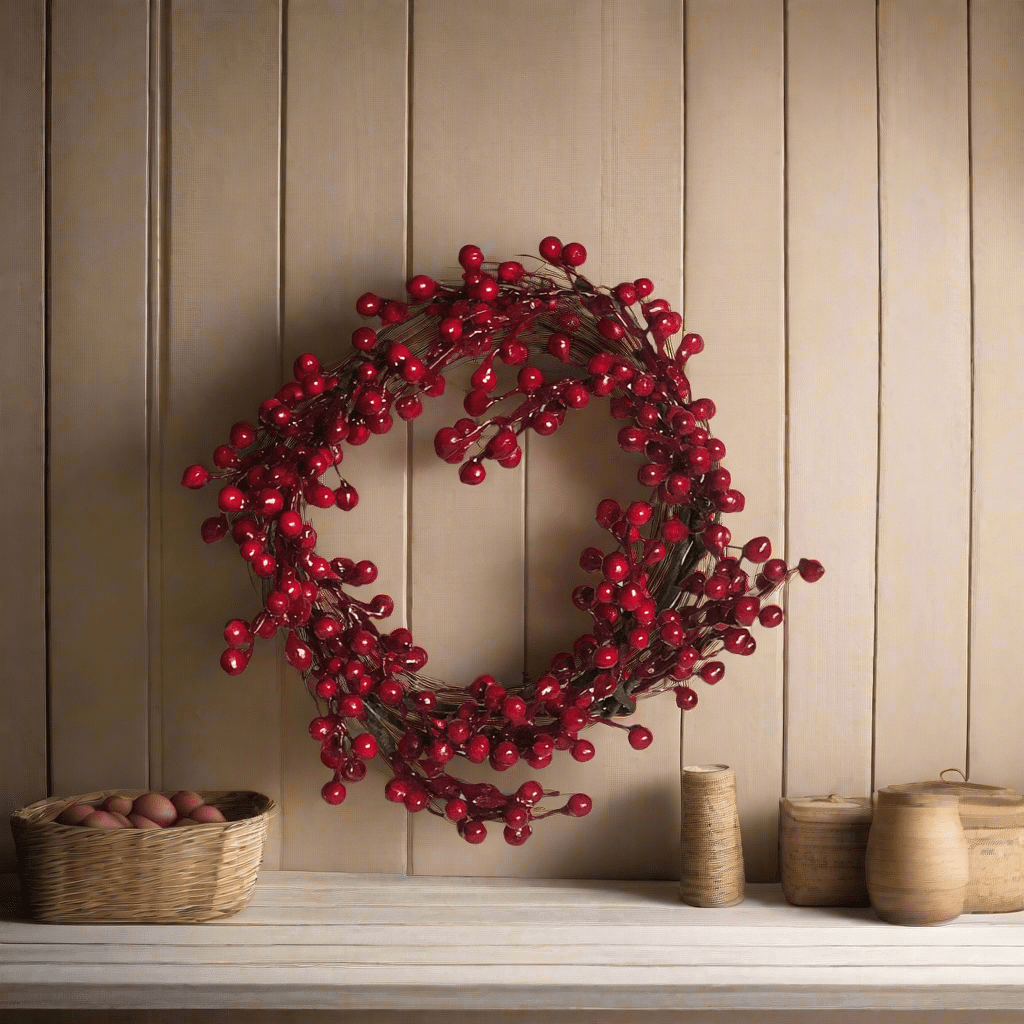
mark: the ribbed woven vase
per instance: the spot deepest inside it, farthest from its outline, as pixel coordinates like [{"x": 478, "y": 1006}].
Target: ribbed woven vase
[
  {"x": 712, "y": 869},
  {"x": 917, "y": 860}
]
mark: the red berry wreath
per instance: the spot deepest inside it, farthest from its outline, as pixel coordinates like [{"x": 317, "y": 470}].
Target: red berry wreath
[{"x": 670, "y": 597}]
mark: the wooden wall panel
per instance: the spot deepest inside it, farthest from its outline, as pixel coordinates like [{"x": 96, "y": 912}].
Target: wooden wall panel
[
  {"x": 487, "y": 171},
  {"x": 610, "y": 180},
  {"x": 632, "y": 228},
  {"x": 832, "y": 263},
  {"x": 23, "y": 421},
  {"x": 344, "y": 233},
  {"x": 223, "y": 356},
  {"x": 925, "y": 386},
  {"x": 734, "y": 291},
  {"x": 98, "y": 414},
  {"x": 997, "y": 150}
]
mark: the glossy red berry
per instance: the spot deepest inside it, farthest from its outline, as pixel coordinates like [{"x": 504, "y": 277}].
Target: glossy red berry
[
  {"x": 396, "y": 790},
  {"x": 334, "y": 793},
  {"x": 214, "y": 529},
  {"x": 716, "y": 538},
  {"x": 471, "y": 257},
  {"x": 474, "y": 832},
  {"x": 770, "y": 616},
  {"x": 574, "y": 255},
  {"x": 579, "y": 805},
  {"x": 472, "y": 473},
  {"x": 810, "y": 570},
  {"x": 757, "y": 550},
  {"x": 421, "y": 287},
  {"x": 456, "y": 809},
  {"x": 686, "y": 698},
  {"x": 712, "y": 672},
  {"x": 640, "y": 738},
  {"x": 368, "y": 304},
  {"x": 550, "y": 249}
]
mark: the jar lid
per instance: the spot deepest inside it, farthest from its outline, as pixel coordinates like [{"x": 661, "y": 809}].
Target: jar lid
[
  {"x": 911, "y": 796},
  {"x": 980, "y": 806},
  {"x": 850, "y": 810}
]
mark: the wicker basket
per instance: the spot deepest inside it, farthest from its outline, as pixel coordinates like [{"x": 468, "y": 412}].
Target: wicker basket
[
  {"x": 822, "y": 844},
  {"x": 72, "y": 874}
]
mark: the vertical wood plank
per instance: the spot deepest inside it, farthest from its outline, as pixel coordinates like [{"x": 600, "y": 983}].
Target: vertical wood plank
[
  {"x": 23, "y": 421},
  {"x": 832, "y": 181},
  {"x": 98, "y": 418},
  {"x": 733, "y": 281},
  {"x": 924, "y": 451},
  {"x": 997, "y": 147},
  {"x": 639, "y": 209},
  {"x": 222, "y": 358},
  {"x": 344, "y": 216},
  {"x": 484, "y": 172},
  {"x": 604, "y": 127}
]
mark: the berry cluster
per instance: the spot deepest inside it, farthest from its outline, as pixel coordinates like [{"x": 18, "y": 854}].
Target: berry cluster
[{"x": 670, "y": 597}]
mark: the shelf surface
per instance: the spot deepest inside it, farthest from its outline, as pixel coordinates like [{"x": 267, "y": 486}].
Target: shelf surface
[{"x": 310, "y": 940}]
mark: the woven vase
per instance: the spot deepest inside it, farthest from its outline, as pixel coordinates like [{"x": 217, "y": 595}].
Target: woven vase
[
  {"x": 712, "y": 868},
  {"x": 917, "y": 860}
]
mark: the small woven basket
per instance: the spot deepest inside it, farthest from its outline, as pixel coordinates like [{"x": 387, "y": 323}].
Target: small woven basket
[{"x": 72, "y": 875}]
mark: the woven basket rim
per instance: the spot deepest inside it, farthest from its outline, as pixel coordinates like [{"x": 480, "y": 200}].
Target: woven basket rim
[{"x": 24, "y": 815}]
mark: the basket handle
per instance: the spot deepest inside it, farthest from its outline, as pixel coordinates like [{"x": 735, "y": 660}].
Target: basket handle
[{"x": 942, "y": 774}]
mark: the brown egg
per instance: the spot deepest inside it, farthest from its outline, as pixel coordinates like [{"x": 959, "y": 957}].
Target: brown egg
[
  {"x": 75, "y": 814},
  {"x": 206, "y": 814},
  {"x": 156, "y": 807},
  {"x": 101, "y": 819},
  {"x": 140, "y": 821},
  {"x": 120, "y": 804},
  {"x": 185, "y": 802},
  {"x": 123, "y": 818},
  {"x": 184, "y": 821}
]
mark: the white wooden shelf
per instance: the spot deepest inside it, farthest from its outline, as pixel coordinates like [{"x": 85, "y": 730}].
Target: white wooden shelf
[{"x": 391, "y": 942}]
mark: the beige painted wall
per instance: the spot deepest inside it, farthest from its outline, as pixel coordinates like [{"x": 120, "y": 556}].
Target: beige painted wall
[{"x": 832, "y": 191}]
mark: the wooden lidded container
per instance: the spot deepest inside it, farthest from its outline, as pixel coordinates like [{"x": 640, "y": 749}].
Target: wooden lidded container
[
  {"x": 822, "y": 845},
  {"x": 917, "y": 860},
  {"x": 993, "y": 824}
]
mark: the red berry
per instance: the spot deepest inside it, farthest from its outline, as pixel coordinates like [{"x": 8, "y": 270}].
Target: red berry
[
  {"x": 346, "y": 497},
  {"x": 456, "y": 809},
  {"x": 560, "y": 346},
  {"x": 716, "y": 538},
  {"x": 615, "y": 566},
  {"x": 365, "y": 746},
  {"x": 474, "y": 832},
  {"x": 686, "y": 698},
  {"x": 233, "y": 661},
  {"x": 195, "y": 477},
  {"x": 472, "y": 473},
  {"x": 712, "y": 672},
  {"x": 640, "y": 738},
  {"x": 638, "y": 513},
  {"x": 810, "y": 570},
  {"x": 574, "y": 255},
  {"x": 333, "y": 793},
  {"x": 703, "y": 409},
  {"x": 606, "y": 657},
  {"x": 421, "y": 287},
  {"x": 746, "y": 609},
  {"x": 368, "y": 304},
  {"x": 775, "y": 569},
  {"x": 691, "y": 345},
  {"x": 511, "y": 271},
  {"x": 470, "y": 257},
  {"x": 610, "y": 329},
  {"x": 674, "y": 530},
  {"x": 626, "y": 293},
  {"x": 582, "y": 750},
  {"x": 550, "y": 249},
  {"x": 757, "y": 550},
  {"x": 214, "y": 529},
  {"x": 530, "y": 378},
  {"x": 644, "y": 286},
  {"x": 579, "y": 805},
  {"x": 770, "y": 616},
  {"x": 396, "y": 790}
]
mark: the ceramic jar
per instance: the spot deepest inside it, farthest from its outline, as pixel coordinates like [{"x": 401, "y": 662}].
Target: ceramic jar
[{"x": 917, "y": 864}]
